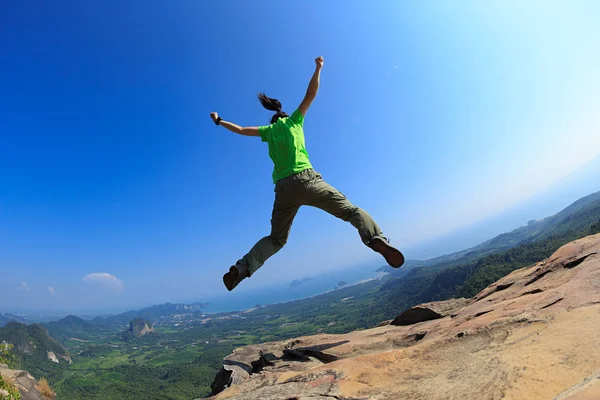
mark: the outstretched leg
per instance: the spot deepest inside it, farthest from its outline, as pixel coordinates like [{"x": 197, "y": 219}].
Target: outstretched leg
[
  {"x": 327, "y": 198},
  {"x": 281, "y": 223},
  {"x": 331, "y": 200}
]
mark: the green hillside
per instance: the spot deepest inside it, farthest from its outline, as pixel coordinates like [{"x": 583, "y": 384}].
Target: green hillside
[
  {"x": 467, "y": 275},
  {"x": 32, "y": 346},
  {"x": 72, "y": 327},
  {"x": 576, "y": 217}
]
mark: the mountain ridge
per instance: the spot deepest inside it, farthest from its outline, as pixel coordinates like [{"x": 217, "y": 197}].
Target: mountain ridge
[
  {"x": 547, "y": 202},
  {"x": 8, "y": 317},
  {"x": 533, "y": 230}
]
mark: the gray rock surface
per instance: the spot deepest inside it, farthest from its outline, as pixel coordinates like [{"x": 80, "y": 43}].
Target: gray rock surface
[{"x": 24, "y": 382}]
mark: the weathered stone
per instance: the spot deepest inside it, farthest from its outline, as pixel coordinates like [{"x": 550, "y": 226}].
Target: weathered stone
[
  {"x": 23, "y": 381},
  {"x": 428, "y": 311},
  {"x": 588, "y": 389},
  {"x": 531, "y": 335}
]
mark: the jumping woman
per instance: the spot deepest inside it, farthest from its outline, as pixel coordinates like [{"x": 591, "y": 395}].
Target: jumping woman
[{"x": 298, "y": 184}]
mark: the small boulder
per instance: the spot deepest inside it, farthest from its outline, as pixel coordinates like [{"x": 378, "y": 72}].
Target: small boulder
[{"x": 429, "y": 311}]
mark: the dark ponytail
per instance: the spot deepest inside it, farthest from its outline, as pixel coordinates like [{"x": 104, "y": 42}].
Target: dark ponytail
[{"x": 273, "y": 105}]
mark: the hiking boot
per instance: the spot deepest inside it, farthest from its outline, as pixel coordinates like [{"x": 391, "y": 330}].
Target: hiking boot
[
  {"x": 392, "y": 255},
  {"x": 236, "y": 274}
]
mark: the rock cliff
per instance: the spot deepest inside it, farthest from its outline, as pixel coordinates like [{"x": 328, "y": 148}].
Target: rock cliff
[
  {"x": 138, "y": 327},
  {"x": 534, "y": 334},
  {"x": 26, "y": 384}
]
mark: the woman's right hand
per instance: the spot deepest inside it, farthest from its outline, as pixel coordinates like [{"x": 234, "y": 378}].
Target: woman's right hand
[{"x": 214, "y": 116}]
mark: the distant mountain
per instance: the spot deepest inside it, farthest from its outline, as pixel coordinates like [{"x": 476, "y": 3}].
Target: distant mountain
[
  {"x": 300, "y": 281},
  {"x": 75, "y": 328},
  {"x": 463, "y": 274},
  {"x": 578, "y": 215},
  {"x": 6, "y": 318},
  {"x": 547, "y": 202},
  {"x": 72, "y": 327},
  {"x": 154, "y": 313},
  {"x": 70, "y": 323},
  {"x": 38, "y": 353},
  {"x": 408, "y": 265},
  {"x": 138, "y": 327},
  {"x": 72, "y": 320}
]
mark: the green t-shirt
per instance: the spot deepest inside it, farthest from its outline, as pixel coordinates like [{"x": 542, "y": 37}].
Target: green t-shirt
[{"x": 286, "y": 145}]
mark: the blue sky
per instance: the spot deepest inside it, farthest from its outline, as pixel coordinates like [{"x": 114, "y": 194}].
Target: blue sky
[{"x": 118, "y": 191}]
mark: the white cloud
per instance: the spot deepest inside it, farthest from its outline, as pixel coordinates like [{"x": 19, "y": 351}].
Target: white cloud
[
  {"x": 23, "y": 287},
  {"x": 51, "y": 290},
  {"x": 104, "y": 280}
]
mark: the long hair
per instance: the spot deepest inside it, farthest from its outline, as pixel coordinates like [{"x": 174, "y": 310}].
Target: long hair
[{"x": 272, "y": 105}]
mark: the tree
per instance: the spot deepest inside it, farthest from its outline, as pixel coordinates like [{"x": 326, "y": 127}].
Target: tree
[{"x": 6, "y": 356}]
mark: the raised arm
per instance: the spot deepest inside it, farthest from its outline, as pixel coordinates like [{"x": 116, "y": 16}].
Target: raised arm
[
  {"x": 313, "y": 87},
  {"x": 248, "y": 131}
]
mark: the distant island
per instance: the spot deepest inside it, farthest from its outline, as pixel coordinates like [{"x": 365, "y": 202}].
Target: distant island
[{"x": 300, "y": 282}]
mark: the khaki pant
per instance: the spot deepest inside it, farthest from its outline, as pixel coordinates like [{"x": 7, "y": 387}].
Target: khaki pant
[{"x": 306, "y": 188}]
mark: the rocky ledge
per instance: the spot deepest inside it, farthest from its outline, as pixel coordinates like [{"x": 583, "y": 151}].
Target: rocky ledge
[
  {"x": 25, "y": 383},
  {"x": 534, "y": 334}
]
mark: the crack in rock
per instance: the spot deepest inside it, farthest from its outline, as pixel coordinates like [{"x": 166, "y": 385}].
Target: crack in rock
[
  {"x": 553, "y": 303},
  {"x": 534, "y": 291},
  {"x": 538, "y": 277},
  {"x": 576, "y": 262},
  {"x": 479, "y": 314}
]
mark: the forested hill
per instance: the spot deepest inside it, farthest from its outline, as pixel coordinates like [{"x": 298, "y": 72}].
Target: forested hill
[
  {"x": 37, "y": 352},
  {"x": 576, "y": 216},
  {"x": 490, "y": 261}
]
